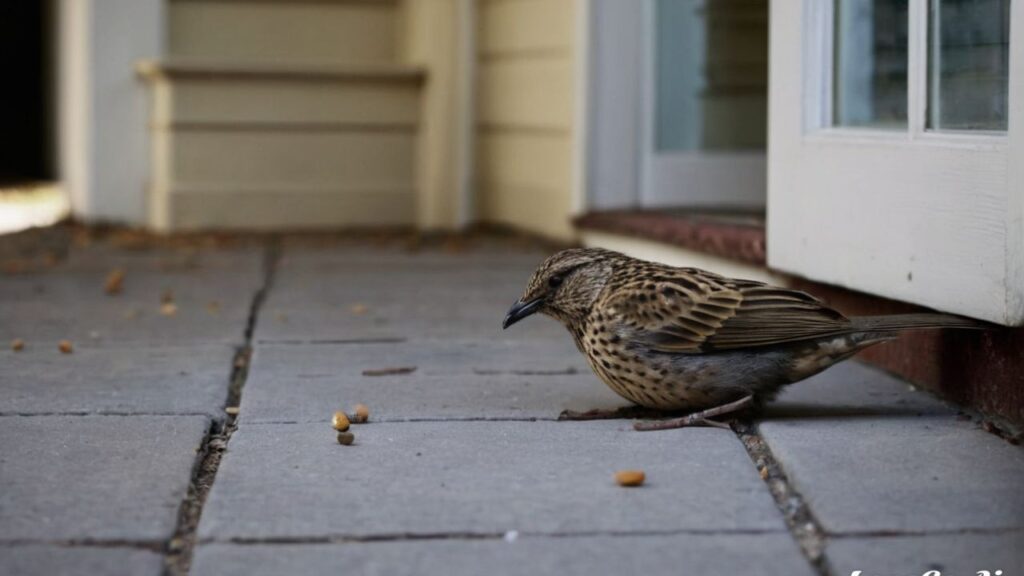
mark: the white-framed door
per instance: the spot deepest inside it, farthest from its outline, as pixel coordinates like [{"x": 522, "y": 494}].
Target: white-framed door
[
  {"x": 897, "y": 150},
  {"x": 704, "y": 111},
  {"x": 675, "y": 117}
]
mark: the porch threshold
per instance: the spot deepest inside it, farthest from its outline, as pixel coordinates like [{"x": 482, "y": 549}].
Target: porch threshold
[{"x": 738, "y": 236}]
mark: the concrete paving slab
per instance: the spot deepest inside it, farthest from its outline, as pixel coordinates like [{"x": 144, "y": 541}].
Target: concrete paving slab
[
  {"x": 126, "y": 380},
  {"x": 676, "y": 555},
  {"x": 452, "y": 380},
  {"x": 49, "y": 560},
  {"x": 401, "y": 318},
  {"x": 387, "y": 300},
  {"x": 192, "y": 288},
  {"x": 120, "y": 324},
  {"x": 102, "y": 257},
  {"x": 446, "y": 284},
  {"x": 950, "y": 554},
  {"x": 429, "y": 478},
  {"x": 95, "y": 477},
  {"x": 852, "y": 389},
  {"x": 298, "y": 257},
  {"x": 901, "y": 474}
]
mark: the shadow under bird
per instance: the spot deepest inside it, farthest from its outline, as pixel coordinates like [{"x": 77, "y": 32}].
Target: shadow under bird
[{"x": 683, "y": 339}]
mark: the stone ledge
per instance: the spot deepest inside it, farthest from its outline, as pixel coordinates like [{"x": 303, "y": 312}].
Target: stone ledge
[{"x": 737, "y": 236}]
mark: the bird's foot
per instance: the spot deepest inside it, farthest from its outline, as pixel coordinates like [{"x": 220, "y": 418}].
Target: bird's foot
[
  {"x": 625, "y": 412},
  {"x": 702, "y": 418}
]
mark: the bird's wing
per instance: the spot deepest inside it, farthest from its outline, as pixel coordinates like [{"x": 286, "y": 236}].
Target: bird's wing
[{"x": 693, "y": 311}]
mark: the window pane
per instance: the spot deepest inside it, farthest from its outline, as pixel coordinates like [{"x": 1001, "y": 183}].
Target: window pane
[
  {"x": 968, "y": 64},
  {"x": 711, "y": 74},
  {"x": 870, "y": 64}
]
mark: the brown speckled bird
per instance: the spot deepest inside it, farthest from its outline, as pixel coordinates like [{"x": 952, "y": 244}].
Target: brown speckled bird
[{"x": 683, "y": 339}]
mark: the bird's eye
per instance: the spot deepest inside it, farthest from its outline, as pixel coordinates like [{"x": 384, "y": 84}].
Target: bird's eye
[{"x": 555, "y": 281}]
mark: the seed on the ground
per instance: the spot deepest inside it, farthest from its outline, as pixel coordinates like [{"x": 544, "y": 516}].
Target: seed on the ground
[
  {"x": 358, "y": 309},
  {"x": 231, "y": 410},
  {"x": 346, "y": 438},
  {"x": 115, "y": 282},
  {"x": 168, "y": 308},
  {"x": 65, "y": 346},
  {"x": 362, "y": 414},
  {"x": 629, "y": 477},
  {"x": 17, "y": 344},
  {"x": 340, "y": 421}
]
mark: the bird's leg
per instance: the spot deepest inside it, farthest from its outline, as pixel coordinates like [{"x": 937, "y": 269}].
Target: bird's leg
[
  {"x": 625, "y": 412},
  {"x": 698, "y": 418}
]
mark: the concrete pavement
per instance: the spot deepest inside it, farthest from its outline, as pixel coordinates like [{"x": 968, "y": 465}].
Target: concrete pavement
[{"x": 108, "y": 453}]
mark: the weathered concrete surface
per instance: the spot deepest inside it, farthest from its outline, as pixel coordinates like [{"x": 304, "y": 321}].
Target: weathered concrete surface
[
  {"x": 120, "y": 324},
  {"x": 901, "y": 474},
  {"x": 852, "y": 389},
  {"x": 123, "y": 380},
  {"x": 682, "y": 554},
  {"x": 951, "y": 554},
  {"x": 453, "y": 379},
  {"x": 295, "y": 481},
  {"x": 242, "y": 258},
  {"x": 51, "y": 560},
  {"x": 298, "y": 256},
  {"x": 95, "y": 477},
  {"x": 211, "y": 302},
  {"x": 410, "y": 298}
]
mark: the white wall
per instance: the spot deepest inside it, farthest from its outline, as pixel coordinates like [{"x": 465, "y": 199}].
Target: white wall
[{"x": 104, "y": 147}]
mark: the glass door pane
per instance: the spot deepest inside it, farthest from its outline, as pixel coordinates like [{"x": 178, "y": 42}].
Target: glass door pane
[
  {"x": 870, "y": 64},
  {"x": 711, "y": 74},
  {"x": 968, "y": 64}
]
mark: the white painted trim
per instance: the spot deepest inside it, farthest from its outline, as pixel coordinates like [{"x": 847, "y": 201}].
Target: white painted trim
[
  {"x": 581, "y": 113},
  {"x": 931, "y": 218},
  {"x": 817, "y": 76},
  {"x": 615, "y": 40},
  {"x": 1015, "y": 178},
  {"x": 917, "y": 67},
  {"x": 104, "y": 148},
  {"x": 74, "y": 97}
]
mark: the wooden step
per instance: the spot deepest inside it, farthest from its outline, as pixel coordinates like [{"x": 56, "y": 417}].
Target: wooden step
[{"x": 258, "y": 146}]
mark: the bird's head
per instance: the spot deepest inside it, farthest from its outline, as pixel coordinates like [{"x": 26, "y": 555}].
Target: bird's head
[{"x": 565, "y": 286}]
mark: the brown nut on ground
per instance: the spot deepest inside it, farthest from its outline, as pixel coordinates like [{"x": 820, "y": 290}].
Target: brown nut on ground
[
  {"x": 115, "y": 282},
  {"x": 630, "y": 477},
  {"x": 17, "y": 344},
  {"x": 65, "y": 346},
  {"x": 340, "y": 421},
  {"x": 346, "y": 438},
  {"x": 362, "y": 414}
]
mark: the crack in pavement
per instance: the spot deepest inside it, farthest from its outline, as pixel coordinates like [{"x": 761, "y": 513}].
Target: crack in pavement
[
  {"x": 802, "y": 523},
  {"x": 181, "y": 546}
]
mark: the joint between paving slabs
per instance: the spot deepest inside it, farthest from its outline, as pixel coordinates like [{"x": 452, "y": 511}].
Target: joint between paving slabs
[
  {"x": 802, "y": 523},
  {"x": 419, "y": 536},
  {"x": 180, "y": 548}
]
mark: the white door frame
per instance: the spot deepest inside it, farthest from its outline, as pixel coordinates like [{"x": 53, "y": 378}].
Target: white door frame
[
  {"x": 712, "y": 179},
  {"x": 622, "y": 168},
  {"x": 931, "y": 218}
]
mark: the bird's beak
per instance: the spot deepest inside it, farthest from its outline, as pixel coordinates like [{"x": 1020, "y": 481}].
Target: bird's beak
[{"x": 521, "y": 310}]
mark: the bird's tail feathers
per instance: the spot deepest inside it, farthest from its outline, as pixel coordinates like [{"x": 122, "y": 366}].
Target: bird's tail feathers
[{"x": 896, "y": 322}]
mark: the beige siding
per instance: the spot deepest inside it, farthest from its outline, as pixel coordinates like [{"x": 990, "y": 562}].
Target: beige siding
[
  {"x": 526, "y": 90},
  {"x": 289, "y": 31},
  {"x": 284, "y": 114}
]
